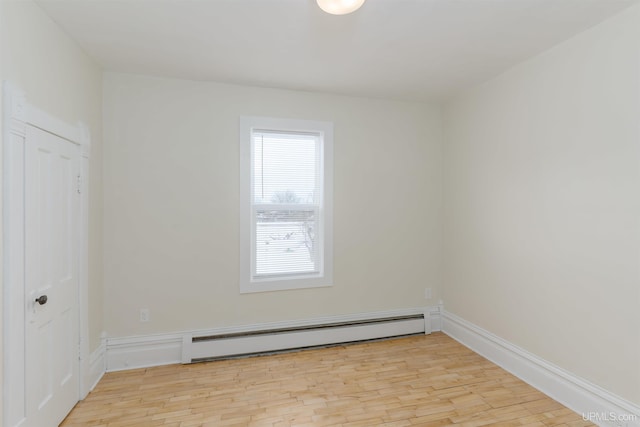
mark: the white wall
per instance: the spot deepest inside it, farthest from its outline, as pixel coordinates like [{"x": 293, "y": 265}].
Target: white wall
[
  {"x": 171, "y": 185},
  {"x": 542, "y": 205},
  {"x": 59, "y": 78}
]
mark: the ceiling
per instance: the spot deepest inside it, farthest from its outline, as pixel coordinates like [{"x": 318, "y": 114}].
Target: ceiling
[{"x": 400, "y": 49}]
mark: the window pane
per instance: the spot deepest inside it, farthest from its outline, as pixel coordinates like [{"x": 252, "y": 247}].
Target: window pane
[
  {"x": 285, "y": 168},
  {"x": 285, "y": 242}
]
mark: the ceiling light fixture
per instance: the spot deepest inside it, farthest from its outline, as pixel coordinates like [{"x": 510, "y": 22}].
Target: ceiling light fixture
[{"x": 340, "y": 7}]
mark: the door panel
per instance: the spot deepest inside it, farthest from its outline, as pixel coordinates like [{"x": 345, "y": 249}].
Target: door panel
[{"x": 52, "y": 166}]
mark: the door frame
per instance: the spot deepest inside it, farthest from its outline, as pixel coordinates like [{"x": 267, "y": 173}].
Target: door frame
[{"x": 17, "y": 115}]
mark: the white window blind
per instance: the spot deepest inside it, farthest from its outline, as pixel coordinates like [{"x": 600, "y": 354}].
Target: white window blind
[
  {"x": 286, "y": 196},
  {"x": 286, "y": 204}
]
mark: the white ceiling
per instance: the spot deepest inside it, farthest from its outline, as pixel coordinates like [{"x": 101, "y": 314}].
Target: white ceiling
[{"x": 404, "y": 49}]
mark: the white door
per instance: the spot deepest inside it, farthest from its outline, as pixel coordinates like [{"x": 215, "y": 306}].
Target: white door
[{"x": 52, "y": 199}]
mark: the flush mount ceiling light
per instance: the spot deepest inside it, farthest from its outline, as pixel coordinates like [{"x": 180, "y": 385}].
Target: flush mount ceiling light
[{"x": 340, "y": 7}]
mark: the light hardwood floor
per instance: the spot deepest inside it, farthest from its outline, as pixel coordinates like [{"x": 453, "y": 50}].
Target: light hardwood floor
[{"x": 422, "y": 380}]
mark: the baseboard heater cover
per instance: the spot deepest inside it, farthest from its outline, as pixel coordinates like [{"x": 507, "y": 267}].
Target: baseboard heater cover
[{"x": 212, "y": 347}]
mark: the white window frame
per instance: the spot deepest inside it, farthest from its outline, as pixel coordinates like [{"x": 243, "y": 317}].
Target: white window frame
[{"x": 249, "y": 284}]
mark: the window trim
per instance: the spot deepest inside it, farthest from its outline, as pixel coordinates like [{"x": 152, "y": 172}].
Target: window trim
[{"x": 247, "y": 252}]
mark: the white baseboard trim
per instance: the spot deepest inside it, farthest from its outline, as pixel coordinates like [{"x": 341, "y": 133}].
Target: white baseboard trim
[
  {"x": 97, "y": 363},
  {"x": 143, "y": 351},
  {"x": 164, "y": 349},
  {"x": 589, "y": 400},
  {"x": 435, "y": 317}
]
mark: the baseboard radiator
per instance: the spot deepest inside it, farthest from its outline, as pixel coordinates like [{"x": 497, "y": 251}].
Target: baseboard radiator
[{"x": 247, "y": 343}]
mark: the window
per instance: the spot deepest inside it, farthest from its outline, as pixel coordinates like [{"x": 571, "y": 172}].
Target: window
[{"x": 286, "y": 204}]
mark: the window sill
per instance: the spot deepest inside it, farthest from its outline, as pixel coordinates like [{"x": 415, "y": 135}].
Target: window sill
[{"x": 284, "y": 285}]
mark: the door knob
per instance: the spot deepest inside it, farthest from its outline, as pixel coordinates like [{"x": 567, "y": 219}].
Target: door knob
[{"x": 42, "y": 300}]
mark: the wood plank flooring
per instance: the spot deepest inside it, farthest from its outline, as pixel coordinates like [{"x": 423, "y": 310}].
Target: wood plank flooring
[{"x": 416, "y": 381}]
